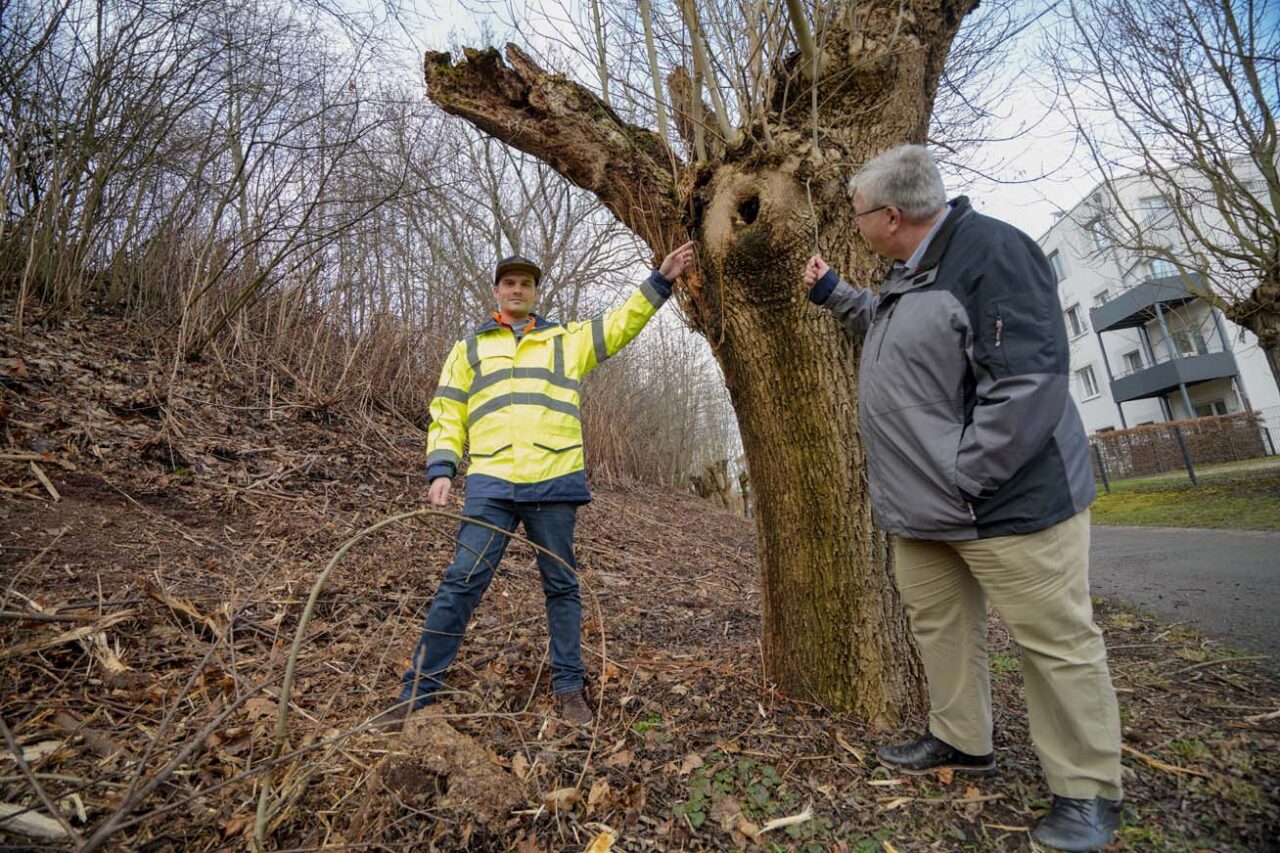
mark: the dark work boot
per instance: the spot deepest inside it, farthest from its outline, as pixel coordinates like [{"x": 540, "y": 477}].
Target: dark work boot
[
  {"x": 573, "y": 708},
  {"x": 392, "y": 719},
  {"x": 926, "y": 754},
  {"x": 1079, "y": 824}
]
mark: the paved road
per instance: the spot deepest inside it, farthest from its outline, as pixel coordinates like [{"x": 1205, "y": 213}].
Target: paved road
[{"x": 1225, "y": 582}]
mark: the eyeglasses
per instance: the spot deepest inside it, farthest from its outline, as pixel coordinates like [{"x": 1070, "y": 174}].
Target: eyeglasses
[{"x": 857, "y": 215}]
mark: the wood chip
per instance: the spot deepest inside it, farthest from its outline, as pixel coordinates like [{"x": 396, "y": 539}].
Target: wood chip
[
  {"x": 783, "y": 822},
  {"x": 850, "y": 748},
  {"x": 44, "y": 481},
  {"x": 36, "y": 751},
  {"x": 896, "y": 802},
  {"x": 602, "y": 843},
  {"x": 20, "y": 820},
  {"x": 561, "y": 800}
]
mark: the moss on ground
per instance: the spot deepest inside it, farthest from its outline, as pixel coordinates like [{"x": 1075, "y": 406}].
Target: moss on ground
[{"x": 1244, "y": 500}]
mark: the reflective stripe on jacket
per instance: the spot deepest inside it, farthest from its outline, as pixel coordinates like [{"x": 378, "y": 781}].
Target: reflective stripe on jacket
[{"x": 516, "y": 402}]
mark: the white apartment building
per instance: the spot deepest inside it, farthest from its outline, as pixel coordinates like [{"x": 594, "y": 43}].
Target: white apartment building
[{"x": 1144, "y": 347}]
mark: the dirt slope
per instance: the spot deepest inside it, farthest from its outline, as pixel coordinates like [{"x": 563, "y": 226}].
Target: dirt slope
[{"x": 193, "y": 516}]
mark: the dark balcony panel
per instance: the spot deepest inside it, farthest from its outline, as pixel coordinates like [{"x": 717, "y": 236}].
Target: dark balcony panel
[
  {"x": 1137, "y": 305},
  {"x": 1160, "y": 379}
]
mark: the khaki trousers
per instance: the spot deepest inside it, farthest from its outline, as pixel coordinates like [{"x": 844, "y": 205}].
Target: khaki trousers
[{"x": 1039, "y": 584}]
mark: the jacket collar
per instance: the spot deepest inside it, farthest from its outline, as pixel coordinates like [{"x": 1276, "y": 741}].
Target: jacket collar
[
  {"x": 960, "y": 210},
  {"x": 539, "y": 323},
  {"x": 927, "y": 271}
]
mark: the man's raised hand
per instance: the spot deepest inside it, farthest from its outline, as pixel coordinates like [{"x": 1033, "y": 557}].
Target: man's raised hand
[
  {"x": 674, "y": 264},
  {"x": 438, "y": 491},
  {"x": 815, "y": 269}
]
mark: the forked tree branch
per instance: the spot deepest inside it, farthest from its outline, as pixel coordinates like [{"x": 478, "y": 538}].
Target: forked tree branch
[{"x": 569, "y": 127}]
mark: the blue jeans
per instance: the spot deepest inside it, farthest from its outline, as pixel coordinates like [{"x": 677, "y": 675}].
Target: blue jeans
[{"x": 479, "y": 550}]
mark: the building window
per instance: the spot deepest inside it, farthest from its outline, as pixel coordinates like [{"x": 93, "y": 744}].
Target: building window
[
  {"x": 1098, "y": 232},
  {"x": 1075, "y": 321},
  {"x": 1152, "y": 208},
  {"x": 1132, "y": 361},
  {"x": 1102, "y": 297},
  {"x": 1087, "y": 383},
  {"x": 1135, "y": 275},
  {"x": 1059, "y": 270},
  {"x": 1213, "y": 407},
  {"x": 1160, "y": 268},
  {"x": 1189, "y": 342}
]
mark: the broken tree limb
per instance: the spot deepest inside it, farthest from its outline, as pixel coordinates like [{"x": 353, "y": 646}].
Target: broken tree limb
[
  {"x": 21, "y": 760},
  {"x": 1160, "y": 765},
  {"x": 569, "y": 127},
  {"x": 36, "y": 457},
  {"x": 19, "y": 616},
  {"x": 83, "y": 633},
  {"x": 217, "y": 626},
  {"x": 95, "y": 643},
  {"x": 1262, "y": 718}
]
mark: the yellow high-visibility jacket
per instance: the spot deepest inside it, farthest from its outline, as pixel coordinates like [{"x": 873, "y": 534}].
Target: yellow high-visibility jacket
[{"x": 515, "y": 401}]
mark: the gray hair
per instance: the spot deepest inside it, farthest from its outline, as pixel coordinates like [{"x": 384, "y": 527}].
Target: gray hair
[{"x": 905, "y": 177}]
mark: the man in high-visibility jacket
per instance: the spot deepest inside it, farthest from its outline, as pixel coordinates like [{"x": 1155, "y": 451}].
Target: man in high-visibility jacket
[{"x": 510, "y": 390}]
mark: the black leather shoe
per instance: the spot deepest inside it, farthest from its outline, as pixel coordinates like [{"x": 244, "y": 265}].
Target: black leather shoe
[
  {"x": 1079, "y": 824},
  {"x": 927, "y": 754}
]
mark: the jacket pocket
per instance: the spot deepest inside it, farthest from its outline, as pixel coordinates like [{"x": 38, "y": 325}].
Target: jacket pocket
[
  {"x": 914, "y": 469},
  {"x": 474, "y": 454},
  {"x": 550, "y": 449}
]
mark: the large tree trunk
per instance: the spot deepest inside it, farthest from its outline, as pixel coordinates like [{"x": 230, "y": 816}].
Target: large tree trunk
[
  {"x": 1260, "y": 314},
  {"x": 834, "y": 631}
]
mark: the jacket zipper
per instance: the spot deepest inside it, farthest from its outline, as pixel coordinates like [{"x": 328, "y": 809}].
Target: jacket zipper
[
  {"x": 999, "y": 329},
  {"x": 885, "y": 331}
]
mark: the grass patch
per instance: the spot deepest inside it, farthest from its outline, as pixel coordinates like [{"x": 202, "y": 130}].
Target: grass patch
[
  {"x": 1229, "y": 496},
  {"x": 1002, "y": 664}
]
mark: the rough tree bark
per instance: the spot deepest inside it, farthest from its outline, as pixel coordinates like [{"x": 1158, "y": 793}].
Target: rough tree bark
[
  {"x": 1260, "y": 314},
  {"x": 834, "y": 631}
]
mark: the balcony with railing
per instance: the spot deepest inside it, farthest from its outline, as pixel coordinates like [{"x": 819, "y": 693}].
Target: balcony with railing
[
  {"x": 1166, "y": 374},
  {"x": 1136, "y": 306}
]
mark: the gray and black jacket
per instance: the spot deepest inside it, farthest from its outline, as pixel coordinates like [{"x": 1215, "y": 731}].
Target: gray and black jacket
[{"x": 963, "y": 401}]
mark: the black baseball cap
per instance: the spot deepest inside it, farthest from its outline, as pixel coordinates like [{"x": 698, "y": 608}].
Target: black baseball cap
[{"x": 515, "y": 263}]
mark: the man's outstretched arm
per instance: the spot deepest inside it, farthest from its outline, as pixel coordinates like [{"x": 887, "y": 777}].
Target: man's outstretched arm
[{"x": 607, "y": 333}]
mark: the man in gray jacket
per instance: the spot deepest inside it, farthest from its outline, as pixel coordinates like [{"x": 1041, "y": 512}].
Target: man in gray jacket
[{"x": 979, "y": 467}]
